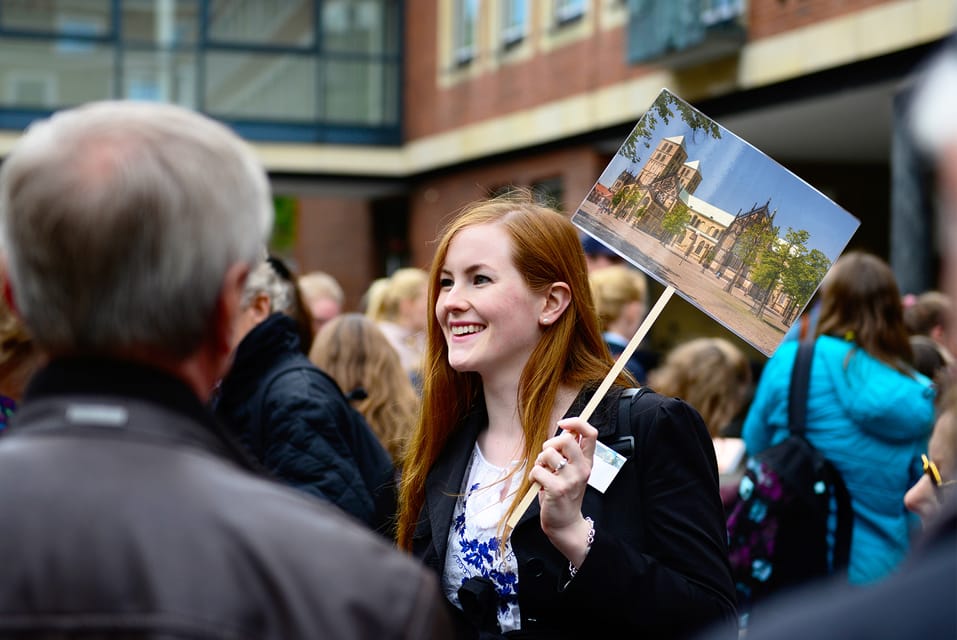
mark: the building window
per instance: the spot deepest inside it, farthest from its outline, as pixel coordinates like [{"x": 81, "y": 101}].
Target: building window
[
  {"x": 568, "y": 10},
  {"x": 718, "y": 11},
  {"x": 685, "y": 33},
  {"x": 27, "y": 89},
  {"x": 280, "y": 22},
  {"x": 351, "y": 26},
  {"x": 465, "y": 20},
  {"x": 514, "y": 21},
  {"x": 278, "y": 70}
]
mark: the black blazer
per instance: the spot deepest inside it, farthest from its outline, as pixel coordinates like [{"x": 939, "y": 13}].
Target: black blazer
[{"x": 658, "y": 565}]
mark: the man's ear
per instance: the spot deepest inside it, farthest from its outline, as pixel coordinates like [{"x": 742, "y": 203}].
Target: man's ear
[
  {"x": 261, "y": 307},
  {"x": 228, "y": 307},
  {"x": 557, "y": 299}
]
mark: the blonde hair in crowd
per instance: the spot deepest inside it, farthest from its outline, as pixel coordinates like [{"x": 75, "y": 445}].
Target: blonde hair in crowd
[
  {"x": 353, "y": 350},
  {"x": 710, "y": 374},
  {"x": 404, "y": 284},
  {"x": 373, "y": 299},
  {"x": 546, "y": 249},
  {"x": 319, "y": 284},
  {"x": 613, "y": 288}
]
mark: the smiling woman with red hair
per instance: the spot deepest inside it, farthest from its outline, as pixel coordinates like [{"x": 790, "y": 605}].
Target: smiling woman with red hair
[{"x": 514, "y": 351}]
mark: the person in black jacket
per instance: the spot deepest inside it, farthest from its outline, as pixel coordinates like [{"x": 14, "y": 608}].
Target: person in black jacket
[
  {"x": 129, "y": 229},
  {"x": 293, "y": 417},
  {"x": 514, "y": 352}
]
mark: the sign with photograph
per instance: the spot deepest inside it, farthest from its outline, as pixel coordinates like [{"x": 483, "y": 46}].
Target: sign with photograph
[{"x": 707, "y": 214}]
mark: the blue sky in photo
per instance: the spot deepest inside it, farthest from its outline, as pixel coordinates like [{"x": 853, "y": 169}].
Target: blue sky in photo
[{"x": 736, "y": 175}]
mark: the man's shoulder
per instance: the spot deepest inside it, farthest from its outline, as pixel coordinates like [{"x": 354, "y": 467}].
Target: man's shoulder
[{"x": 168, "y": 520}]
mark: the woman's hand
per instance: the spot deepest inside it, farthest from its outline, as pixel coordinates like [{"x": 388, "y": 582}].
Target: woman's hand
[{"x": 562, "y": 469}]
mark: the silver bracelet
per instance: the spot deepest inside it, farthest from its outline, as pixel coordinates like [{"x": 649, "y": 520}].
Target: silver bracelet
[{"x": 572, "y": 570}]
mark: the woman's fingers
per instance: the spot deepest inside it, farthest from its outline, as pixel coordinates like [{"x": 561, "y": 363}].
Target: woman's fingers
[
  {"x": 574, "y": 447},
  {"x": 581, "y": 433}
]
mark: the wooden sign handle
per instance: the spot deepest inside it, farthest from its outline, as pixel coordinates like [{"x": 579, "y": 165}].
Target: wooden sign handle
[{"x": 603, "y": 388}]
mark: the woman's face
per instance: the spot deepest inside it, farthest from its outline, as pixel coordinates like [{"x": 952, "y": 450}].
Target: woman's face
[
  {"x": 488, "y": 315},
  {"x": 923, "y": 498}
]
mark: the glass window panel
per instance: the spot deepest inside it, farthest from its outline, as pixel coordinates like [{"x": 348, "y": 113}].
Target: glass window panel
[
  {"x": 569, "y": 10},
  {"x": 514, "y": 19},
  {"x": 261, "y": 86},
  {"x": 165, "y": 23},
  {"x": 275, "y": 22},
  {"x": 64, "y": 17},
  {"x": 39, "y": 75},
  {"x": 163, "y": 75},
  {"x": 363, "y": 93},
  {"x": 362, "y": 26},
  {"x": 465, "y": 17}
]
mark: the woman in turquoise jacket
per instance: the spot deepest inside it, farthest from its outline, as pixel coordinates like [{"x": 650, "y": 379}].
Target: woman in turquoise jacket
[{"x": 868, "y": 411}]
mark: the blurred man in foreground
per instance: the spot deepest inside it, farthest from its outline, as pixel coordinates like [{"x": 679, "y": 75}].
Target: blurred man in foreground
[{"x": 129, "y": 230}]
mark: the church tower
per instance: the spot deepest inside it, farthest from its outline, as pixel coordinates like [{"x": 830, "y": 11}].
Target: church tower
[{"x": 666, "y": 159}]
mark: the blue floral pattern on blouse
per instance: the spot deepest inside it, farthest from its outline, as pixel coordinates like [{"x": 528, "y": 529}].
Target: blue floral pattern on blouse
[
  {"x": 474, "y": 548},
  {"x": 482, "y": 556}
]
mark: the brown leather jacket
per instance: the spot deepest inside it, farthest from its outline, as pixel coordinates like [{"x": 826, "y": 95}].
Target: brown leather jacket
[{"x": 128, "y": 514}]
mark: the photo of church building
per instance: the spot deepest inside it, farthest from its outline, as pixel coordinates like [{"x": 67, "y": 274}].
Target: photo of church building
[{"x": 666, "y": 211}]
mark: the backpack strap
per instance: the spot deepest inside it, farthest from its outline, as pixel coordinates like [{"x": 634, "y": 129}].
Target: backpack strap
[
  {"x": 627, "y": 398},
  {"x": 625, "y": 441},
  {"x": 800, "y": 381}
]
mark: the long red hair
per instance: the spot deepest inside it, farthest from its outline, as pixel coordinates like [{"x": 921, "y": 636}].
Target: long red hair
[{"x": 545, "y": 250}]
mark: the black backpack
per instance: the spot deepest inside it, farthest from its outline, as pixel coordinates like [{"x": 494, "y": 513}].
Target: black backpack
[{"x": 792, "y": 519}]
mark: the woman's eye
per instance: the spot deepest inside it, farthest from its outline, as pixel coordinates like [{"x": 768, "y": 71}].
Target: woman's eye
[
  {"x": 445, "y": 283},
  {"x": 480, "y": 279}
]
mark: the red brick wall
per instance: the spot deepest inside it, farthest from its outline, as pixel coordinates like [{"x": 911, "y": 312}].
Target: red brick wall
[
  {"x": 434, "y": 200},
  {"x": 569, "y": 70},
  {"x": 566, "y": 71},
  {"x": 335, "y": 235},
  {"x": 770, "y": 17}
]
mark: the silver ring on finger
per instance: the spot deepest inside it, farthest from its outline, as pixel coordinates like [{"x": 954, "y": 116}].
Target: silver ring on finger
[{"x": 561, "y": 465}]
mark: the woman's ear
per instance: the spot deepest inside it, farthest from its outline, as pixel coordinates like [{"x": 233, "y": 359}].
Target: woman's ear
[{"x": 557, "y": 299}]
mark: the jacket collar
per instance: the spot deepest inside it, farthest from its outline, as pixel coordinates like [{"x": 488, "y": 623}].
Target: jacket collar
[
  {"x": 115, "y": 388},
  {"x": 269, "y": 342},
  {"x": 444, "y": 482}
]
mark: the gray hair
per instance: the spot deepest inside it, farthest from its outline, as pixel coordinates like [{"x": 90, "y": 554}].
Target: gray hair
[
  {"x": 120, "y": 221},
  {"x": 264, "y": 280}
]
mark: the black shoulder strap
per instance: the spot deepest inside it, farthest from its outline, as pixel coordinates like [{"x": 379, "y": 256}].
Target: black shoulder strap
[
  {"x": 628, "y": 396},
  {"x": 800, "y": 381}
]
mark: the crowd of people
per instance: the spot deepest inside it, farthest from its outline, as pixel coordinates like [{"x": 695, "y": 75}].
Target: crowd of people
[{"x": 198, "y": 442}]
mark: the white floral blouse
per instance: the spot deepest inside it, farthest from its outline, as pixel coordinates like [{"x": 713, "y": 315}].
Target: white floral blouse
[{"x": 473, "y": 548}]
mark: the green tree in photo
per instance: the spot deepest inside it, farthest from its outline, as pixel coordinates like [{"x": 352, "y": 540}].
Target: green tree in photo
[
  {"x": 625, "y": 207},
  {"x": 674, "y": 221},
  {"x": 801, "y": 279},
  {"x": 664, "y": 109},
  {"x": 766, "y": 273},
  {"x": 753, "y": 242}
]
